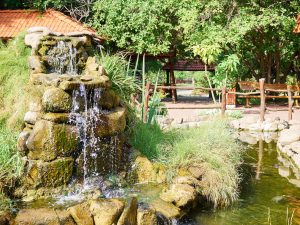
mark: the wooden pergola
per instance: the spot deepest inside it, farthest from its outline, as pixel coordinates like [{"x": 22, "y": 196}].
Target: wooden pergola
[{"x": 183, "y": 65}]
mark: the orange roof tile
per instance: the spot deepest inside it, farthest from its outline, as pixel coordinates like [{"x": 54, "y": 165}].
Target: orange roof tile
[
  {"x": 13, "y": 22},
  {"x": 297, "y": 28}
]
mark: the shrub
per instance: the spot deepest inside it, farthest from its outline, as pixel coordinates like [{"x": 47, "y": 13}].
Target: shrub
[{"x": 123, "y": 83}]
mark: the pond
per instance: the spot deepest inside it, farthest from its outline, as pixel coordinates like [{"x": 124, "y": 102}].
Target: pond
[{"x": 265, "y": 194}]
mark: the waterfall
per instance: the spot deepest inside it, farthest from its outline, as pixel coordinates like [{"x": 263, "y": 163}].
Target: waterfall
[
  {"x": 85, "y": 115},
  {"x": 62, "y": 58}
]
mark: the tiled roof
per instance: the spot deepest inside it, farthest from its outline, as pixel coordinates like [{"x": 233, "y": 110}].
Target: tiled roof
[
  {"x": 297, "y": 28},
  {"x": 13, "y": 22},
  {"x": 188, "y": 65}
]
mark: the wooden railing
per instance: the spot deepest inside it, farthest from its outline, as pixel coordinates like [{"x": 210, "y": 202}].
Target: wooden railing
[{"x": 261, "y": 94}]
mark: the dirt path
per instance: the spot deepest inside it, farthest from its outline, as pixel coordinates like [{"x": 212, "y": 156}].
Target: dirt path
[{"x": 185, "y": 99}]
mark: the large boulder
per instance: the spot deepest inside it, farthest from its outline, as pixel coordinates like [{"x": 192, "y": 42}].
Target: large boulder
[
  {"x": 49, "y": 140},
  {"x": 81, "y": 214},
  {"x": 106, "y": 211},
  {"x": 43, "y": 216},
  {"x": 31, "y": 117},
  {"x": 111, "y": 123},
  {"x": 49, "y": 174},
  {"x": 182, "y": 195},
  {"x": 56, "y": 100}
]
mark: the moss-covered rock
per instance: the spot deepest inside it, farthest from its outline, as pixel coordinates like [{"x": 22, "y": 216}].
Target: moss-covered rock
[
  {"x": 49, "y": 140},
  {"x": 57, "y": 117},
  {"x": 111, "y": 123},
  {"x": 48, "y": 174},
  {"x": 56, "y": 100},
  {"x": 97, "y": 82},
  {"x": 146, "y": 171},
  {"x": 109, "y": 99}
]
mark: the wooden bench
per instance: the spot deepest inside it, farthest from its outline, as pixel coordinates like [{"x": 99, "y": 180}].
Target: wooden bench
[{"x": 251, "y": 90}]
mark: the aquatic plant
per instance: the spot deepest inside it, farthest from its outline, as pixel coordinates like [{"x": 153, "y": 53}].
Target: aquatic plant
[{"x": 210, "y": 147}]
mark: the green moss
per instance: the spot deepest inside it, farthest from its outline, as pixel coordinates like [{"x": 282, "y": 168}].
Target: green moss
[{"x": 43, "y": 50}]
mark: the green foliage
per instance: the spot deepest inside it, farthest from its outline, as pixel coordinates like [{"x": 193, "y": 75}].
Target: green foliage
[
  {"x": 123, "y": 83},
  {"x": 11, "y": 164},
  {"x": 210, "y": 146},
  {"x": 14, "y": 75},
  {"x": 291, "y": 80}
]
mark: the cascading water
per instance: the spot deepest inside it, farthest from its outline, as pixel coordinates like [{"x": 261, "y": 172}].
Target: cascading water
[
  {"x": 62, "y": 58},
  {"x": 85, "y": 114}
]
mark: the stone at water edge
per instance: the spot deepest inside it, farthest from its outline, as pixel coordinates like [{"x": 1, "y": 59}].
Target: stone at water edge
[
  {"x": 167, "y": 209},
  {"x": 182, "y": 195},
  {"x": 106, "y": 211},
  {"x": 49, "y": 140},
  {"x": 81, "y": 214},
  {"x": 146, "y": 216},
  {"x": 129, "y": 215},
  {"x": 288, "y": 136},
  {"x": 43, "y": 216},
  {"x": 56, "y": 100}
]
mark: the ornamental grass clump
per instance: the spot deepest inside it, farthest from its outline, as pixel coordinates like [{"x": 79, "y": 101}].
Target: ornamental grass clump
[{"x": 210, "y": 147}]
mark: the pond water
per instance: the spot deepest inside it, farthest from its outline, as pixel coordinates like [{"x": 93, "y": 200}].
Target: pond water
[{"x": 264, "y": 195}]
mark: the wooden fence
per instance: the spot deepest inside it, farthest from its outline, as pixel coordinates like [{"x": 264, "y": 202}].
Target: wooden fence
[{"x": 261, "y": 93}]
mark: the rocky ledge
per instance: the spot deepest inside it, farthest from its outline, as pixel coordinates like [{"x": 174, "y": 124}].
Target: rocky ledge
[
  {"x": 252, "y": 123},
  {"x": 289, "y": 143}
]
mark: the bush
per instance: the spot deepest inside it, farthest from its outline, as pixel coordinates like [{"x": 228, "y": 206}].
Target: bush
[
  {"x": 123, "y": 83},
  {"x": 210, "y": 146}
]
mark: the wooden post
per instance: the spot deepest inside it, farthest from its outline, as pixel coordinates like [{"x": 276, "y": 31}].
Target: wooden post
[
  {"x": 172, "y": 80},
  {"x": 223, "y": 101},
  {"x": 290, "y": 103},
  {"x": 146, "y": 102},
  {"x": 262, "y": 99}
]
